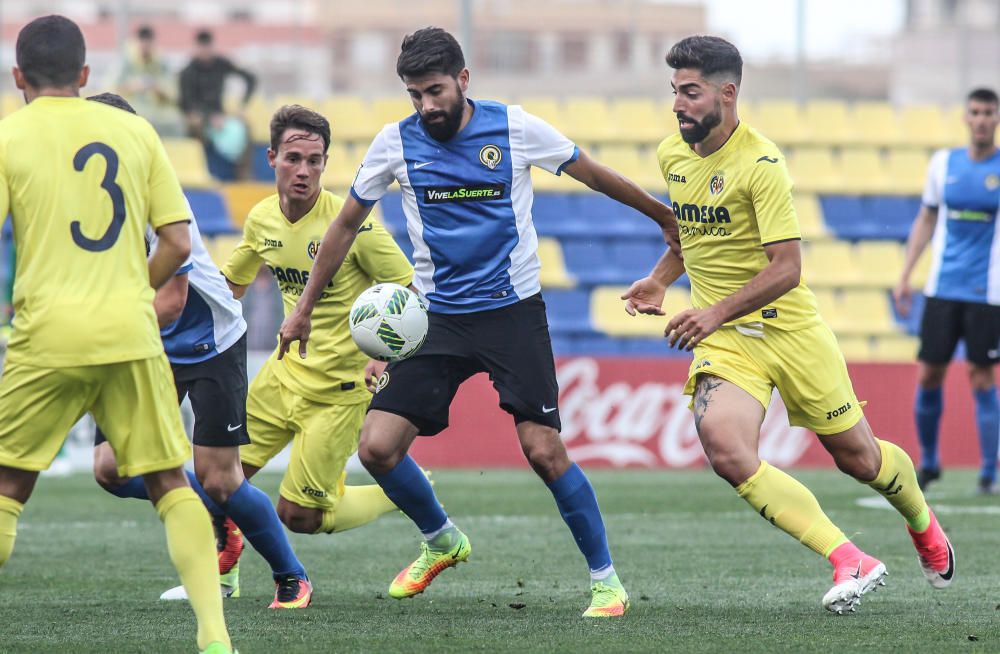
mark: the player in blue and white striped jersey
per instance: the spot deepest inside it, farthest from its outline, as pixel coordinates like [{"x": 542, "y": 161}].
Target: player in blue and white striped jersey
[
  {"x": 958, "y": 217},
  {"x": 464, "y": 170}
]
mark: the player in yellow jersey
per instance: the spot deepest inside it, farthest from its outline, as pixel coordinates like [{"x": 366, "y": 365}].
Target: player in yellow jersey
[
  {"x": 82, "y": 181},
  {"x": 754, "y": 327},
  {"x": 318, "y": 403}
]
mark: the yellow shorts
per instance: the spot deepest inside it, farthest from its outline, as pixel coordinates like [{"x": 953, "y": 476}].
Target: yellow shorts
[
  {"x": 323, "y": 437},
  {"x": 805, "y": 365},
  {"x": 135, "y": 403}
]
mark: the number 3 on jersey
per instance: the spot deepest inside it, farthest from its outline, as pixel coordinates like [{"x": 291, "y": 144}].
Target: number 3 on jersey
[{"x": 109, "y": 185}]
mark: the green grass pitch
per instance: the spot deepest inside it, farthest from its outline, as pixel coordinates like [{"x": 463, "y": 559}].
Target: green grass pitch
[{"x": 705, "y": 574}]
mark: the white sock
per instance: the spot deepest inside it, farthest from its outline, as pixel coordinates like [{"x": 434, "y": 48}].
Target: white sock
[
  {"x": 431, "y": 535},
  {"x": 602, "y": 574}
]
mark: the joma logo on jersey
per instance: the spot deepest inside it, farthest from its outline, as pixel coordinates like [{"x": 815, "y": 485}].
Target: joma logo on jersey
[
  {"x": 272, "y": 243},
  {"x": 674, "y": 177},
  {"x": 478, "y": 193},
  {"x": 694, "y": 213},
  {"x": 839, "y": 411},
  {"x": 292, "y": 276},
  {"x": 312, "y": 491}
]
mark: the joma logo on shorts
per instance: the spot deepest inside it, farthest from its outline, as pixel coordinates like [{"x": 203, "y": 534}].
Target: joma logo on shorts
[
  {"x": 313, "y": 492},
  {"x": 839, "y": 411}
]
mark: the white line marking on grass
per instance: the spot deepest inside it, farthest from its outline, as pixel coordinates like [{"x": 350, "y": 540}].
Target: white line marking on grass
[{"x": 879, "y": 502}]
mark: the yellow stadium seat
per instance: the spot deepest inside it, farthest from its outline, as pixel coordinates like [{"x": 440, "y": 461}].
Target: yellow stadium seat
[
  {"x": 781, "y": 121},
  {"x": 258, "y": 114},
  {"x": 548, "y": 109},
  {"x": 341, "y": 167},
  {"x": 187, "y": 156},
  {"x": 814, "y": 169},
  {"x": 830, "y": 263},
  {"x": 301, "y": 100},
  {"x": 907, "y": 170},
  {"x": 880, "y": 261},
  {"x": 220, "y": 247},
  {"x": 826, "y": 300},
  {"x": 588, "y": 120},
  {"x": 856, "y": 349},
  {"x": 827, "y": 122},
  {"x": 642, "y": 121},
  {"x": 924, "y": 126},
  {"x": 875, "y": 123},
  {"x": 955, "y": 128},
  {"x": 810, "y": 216},
  {"x": 242, "y": 196},
  {"x": 630, "y": 162},
  {"x": 607, "y": 312},
  {"x": 863, "y": 171},
  {"x": 865, "y": 311},
  {"x": 553, "y": 273},
  {"x": 895, "y": 348},
  {"x": 351, "y": 119},
  {"x": 391, "y": 109}
]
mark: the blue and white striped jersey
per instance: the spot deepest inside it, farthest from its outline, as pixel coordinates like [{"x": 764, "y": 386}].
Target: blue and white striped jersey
[
  {"x": 468, "y": 202},
  {"x": 966, "y": 243}
]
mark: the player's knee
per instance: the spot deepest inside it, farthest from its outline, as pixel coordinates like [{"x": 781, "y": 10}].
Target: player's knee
[
  {"x": 732, "y": 464},
  {"x": 299, "y": 519},
  {"x": 219, "y": 487},
  {"x": 106, "y": 475},
  {"x": 863, "y": 465},
  {"x": 378, "y": 458},
  {"x": 547, "y": 457}
]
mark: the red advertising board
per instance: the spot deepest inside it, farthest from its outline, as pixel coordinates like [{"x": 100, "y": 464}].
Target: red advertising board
[{"x": 630, "y": 412}]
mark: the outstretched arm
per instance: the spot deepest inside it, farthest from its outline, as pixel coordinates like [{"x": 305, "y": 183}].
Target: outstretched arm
[
  {"x": 618, "y": 187},
  {"x": 336, "y": 243}
]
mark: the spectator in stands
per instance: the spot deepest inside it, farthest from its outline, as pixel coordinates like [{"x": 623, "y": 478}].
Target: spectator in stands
[
  {"x": 202, "y": 83},
  {"x": 148, "y": 85},
  {"x": 958, "y": 215}
]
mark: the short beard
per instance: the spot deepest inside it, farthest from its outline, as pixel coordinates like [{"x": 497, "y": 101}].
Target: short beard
[
  {"x": 700, "y": 131},
  {"x": 452, "y": 121}
]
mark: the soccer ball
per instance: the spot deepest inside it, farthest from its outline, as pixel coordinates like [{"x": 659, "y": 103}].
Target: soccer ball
[{"x": 388, "y": 322}]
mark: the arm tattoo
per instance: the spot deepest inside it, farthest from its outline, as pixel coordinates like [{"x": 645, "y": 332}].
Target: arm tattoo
[{"x": 703, "y": 397}]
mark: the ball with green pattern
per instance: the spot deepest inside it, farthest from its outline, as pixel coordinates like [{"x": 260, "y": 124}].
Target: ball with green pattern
[{"x": 388, "y": 322}]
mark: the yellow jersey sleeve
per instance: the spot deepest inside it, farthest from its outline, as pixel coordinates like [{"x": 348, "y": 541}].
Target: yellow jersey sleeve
[
  {"x": 379, "y": 256},
  {"x": 245, "y": 261},
  {"x": 167, "y": 203},
  {"x": 770, "y": 188}
]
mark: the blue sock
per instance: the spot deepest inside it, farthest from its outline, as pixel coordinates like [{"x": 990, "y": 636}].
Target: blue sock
[
  {"x": 135, "y": 488},
  {"x": 988, "y": 422},
  {"x": 252, "y": 511},
  {"x": 577, "y": 504},
  {"x": 928, "y": 414},
  {"x": 408, "y": 488}
]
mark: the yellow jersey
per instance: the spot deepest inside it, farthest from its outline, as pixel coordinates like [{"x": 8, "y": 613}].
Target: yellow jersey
[
  {"x": 729, "y": 205},
  {"x": 81, "y": 181},
  {"x": 333, "y": 371}
]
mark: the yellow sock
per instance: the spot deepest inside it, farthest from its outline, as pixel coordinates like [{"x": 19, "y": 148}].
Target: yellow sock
[
  {"x": 191, "y": 544},
  {"x": 791, "y": 507},
  {"x": 10, "y": 510},
  {"x": 358, "y": 506},
  {"x": 897, "y": 482}
]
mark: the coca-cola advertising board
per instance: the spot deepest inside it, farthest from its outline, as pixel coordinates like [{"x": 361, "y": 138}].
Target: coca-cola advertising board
[{"x": 631, "y": 412}]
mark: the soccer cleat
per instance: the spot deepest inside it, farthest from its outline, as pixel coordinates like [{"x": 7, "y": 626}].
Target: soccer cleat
[
  {"x": 986, "y": 486},
  {"x": 292, "y": 592},
  {"x": 926, "y": 475},
  {"x": 851, "y": 581},
  {"x": 416, "y": 577},
  {"x": 608, "y": 599},
  {"x": 229, "y": 585},
  {"x": 935, "y": 553},
  {"x": 228, "y": 543},
  {"x": 219, "y": 648}
]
